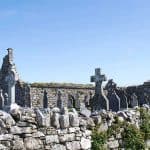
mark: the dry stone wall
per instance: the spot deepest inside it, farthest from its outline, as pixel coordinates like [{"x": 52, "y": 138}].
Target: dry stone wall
[{"x": 26, "y": 129}]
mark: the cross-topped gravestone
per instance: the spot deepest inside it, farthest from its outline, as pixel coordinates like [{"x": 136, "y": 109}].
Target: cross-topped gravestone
[
  {"x": 98, "y": 78},
  {"x": 100, "y": 101}
]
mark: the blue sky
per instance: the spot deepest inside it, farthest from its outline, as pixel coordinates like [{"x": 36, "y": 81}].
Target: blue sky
[{"x": 65, "y": 40}]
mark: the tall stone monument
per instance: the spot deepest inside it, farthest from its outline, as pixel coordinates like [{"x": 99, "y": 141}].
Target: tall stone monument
[
  {"x": 100, "y": 101},
  {"x": 11, "y": 78},
  {"x": 114, "y": 100},
  {"x": 1, "y": 99}
]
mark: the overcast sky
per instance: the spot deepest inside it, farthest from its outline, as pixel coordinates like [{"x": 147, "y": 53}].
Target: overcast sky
[{"x": 65, "y": 40}]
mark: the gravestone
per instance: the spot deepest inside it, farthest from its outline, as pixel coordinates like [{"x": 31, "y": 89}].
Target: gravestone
[
  {"x": 1, "y": 99},
  {"x": 71, "y": 101},
  {"x": 123, "y": 98},
  {"x": 134, "y": 100},
  {"x": 77, "y": 101},
  {"x": 84, "y": 111},
  {"x": 86, "y": 101},
  {"x": 100, "y": 101},
  {"x": 114, "y": 100},
  {"x": 45, "y": 100},
  {"x": 60, "y": 103}
]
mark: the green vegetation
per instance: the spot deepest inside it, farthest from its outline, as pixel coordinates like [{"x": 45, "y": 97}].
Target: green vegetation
[
  {"x": 99, "y": 139},
  {"x": 132, "y": 137},
  {"x": 145, "y": 123}
]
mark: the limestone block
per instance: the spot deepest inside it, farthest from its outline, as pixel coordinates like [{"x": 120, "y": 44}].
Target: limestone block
[
  {"x": 85, "y": 143},
  {"x": 32, "y": 143},
  {"x": 90, "y": 123},
  {"x": 97, "y": 119},
  {"x": 2, "y": 147},
  {"x": 67, "y": 138},
  {"x": 6, "y": 137},
  {"x": 74, "y": 145},
  {"x": 64, "y": 121},
  {"x": 38, "y": 134},
  {"x": 58, "y": 147},
  {"x": 52, "y": 139},
  {"x": 113, "y": 144},
  {"x": 55, "y": 120},
  {"x": 18, "y": 130},
  {"x": 74, "y": 120},
  {"x": 7, "y": 118},
  {"x": 18, "y": 145}
]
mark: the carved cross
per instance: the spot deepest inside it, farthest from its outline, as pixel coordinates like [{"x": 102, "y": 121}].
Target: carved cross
[{"x": 98, "y": 78}]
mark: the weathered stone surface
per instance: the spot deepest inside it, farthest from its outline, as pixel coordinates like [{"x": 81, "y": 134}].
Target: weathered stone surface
[
  {"x": 85, "y": 143},
  {"x": 84, "y": 111},
  {"x": 38, "y": 135},
  {"x": 18, "y": 130},
  {"x": 6, "y": 137},
  {"x": 113, "y": 144},
  {"x": 58, "y": 147},
  {"x": 64, "y": 121},
  {"x": 74, "y": 145},
  {"x": 55, "y": 120},
  {"x": 7, "y": 118},
  {"x": 2, "y": 147},
  {"x": 32, "y": 143},
  {"x": 74, "y": 120},
  {"x": 67, "y": 138},
  {"x": 18, "y": 145},
  {"x": 52, "y": 139}
]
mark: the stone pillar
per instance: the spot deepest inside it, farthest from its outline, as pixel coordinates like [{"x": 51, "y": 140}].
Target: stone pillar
[
  {"x": 10, "y": 55},
  {"x": 11, "y": 82}
]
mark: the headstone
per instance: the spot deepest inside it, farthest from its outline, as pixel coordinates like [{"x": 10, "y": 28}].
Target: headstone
[
  {"x": 71, "y": 101},
  {"x": 60, "y": 103},
  {"x": 77, "y": 101},
  {"x": 100, "y": 101},
  {"x": 114, "y": 100},
  {"x": 84, "y": 111},
  {"x": 45, "y": 100},
  {"x": 134, "y": 100},
  {"x": 1, "y": 99},
  {"x": 87, "y": 100},
  {"x": 43, "y": 117},
  {"x": 123, "y": 99}
]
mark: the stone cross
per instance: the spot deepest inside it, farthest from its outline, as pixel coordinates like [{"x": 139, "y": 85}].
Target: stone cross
[
  {"x": 99, "y": 100},
  {"x": 98, "y": 78}
]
